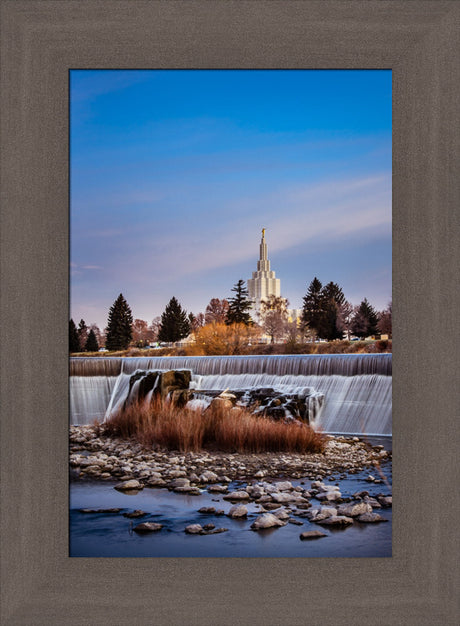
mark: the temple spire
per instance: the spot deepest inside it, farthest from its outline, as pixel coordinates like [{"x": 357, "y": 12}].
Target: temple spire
[{"x": 263, "y": 283}]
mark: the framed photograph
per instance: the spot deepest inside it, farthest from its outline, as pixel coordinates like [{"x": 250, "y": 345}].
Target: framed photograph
[{"x": 41, "y": 44}]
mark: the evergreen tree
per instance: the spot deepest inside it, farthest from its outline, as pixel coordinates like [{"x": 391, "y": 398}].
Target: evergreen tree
[
  {"x": 91, "y": 343},
  {"x": 74, "y": 340},
  {"x": 82, "y": 334},
  {"x": 365, "y": 320},
  {"x": 174, "y": 323},
  {"x": 119, "y": 326},
  {"x": 239, "y": 306},
  {"x": 312, "y": 313},
  {"x": 332, "y": 301}
]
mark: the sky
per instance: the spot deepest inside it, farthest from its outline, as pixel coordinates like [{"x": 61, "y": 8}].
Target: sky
[{"x": 173, "y": 174}]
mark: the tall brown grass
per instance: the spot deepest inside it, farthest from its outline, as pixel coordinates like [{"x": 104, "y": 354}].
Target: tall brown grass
[{"x": 227, "y": 430}]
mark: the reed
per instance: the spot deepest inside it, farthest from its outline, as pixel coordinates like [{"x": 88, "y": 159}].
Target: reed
[{"x": 227, "y": 430}]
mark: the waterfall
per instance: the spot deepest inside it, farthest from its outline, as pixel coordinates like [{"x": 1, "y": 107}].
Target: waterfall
[
  {"x": 315, "y": 364},
  {"x": 357, "y": 387}
]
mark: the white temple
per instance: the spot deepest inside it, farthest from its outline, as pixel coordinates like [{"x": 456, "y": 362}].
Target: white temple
[{"x": 263, "y": 283}]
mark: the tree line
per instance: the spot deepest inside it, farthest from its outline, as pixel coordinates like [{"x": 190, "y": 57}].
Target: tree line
[{"x": 326, "y": 315}]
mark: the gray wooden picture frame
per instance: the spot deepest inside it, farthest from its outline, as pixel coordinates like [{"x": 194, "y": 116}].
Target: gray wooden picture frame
[{"x": 41, "y": 41}]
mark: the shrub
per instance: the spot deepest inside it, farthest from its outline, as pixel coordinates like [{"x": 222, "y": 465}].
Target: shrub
[{"x": 228, "y": 430}]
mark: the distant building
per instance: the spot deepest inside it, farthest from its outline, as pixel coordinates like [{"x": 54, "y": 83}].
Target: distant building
[{"x": 263, "y": 283}]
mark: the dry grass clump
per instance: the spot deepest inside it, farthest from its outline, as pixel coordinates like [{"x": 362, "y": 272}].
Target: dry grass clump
[{"x": 228, "y": 430}]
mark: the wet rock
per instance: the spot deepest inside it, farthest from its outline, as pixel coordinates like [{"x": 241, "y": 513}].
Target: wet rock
[
  {"x": 296, "y": 522},
  {"x": 207, "y": 510},
  {"x": 238, "y": 511},
  {"x": 208, "y": 477},
  {"x": 99, "y": 510},
  {"x": 134, "y": 514},
  {"x": 179, "y": 483},
  {"x": 156, "y": 482},
  {"x": 324, "y": 513},
  {"x": 282, "y": 514},
  {"x": 194, "y": 529},
  {"x": 271, "y": 506},
  {"x": 237, "y": 495},
  {"x": 370, "y": 518},
  {"x": 336, "y": 520},
  {"x": 385, "y": 501},
  {"x": 147, "y": 527},
  {"x": 283, "y": 486},
  {"x": 311, "y": 534},
  {"x": 217, "y": 488},
  {"x": 215, "y": 531},
  {"x": 267, "y": 520},
  {"x": 354, "y": 509},
  {"x": 330, "y": 496},
  {"x": 208, "y": 527},
  {"x": 129, "y": 485}
]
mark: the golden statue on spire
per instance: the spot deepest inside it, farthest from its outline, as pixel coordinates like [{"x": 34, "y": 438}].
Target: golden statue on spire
[{"x": 263, "y": 233}]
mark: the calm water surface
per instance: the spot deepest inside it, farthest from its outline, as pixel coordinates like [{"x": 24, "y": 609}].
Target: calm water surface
[{"x": 111, "y": 535}]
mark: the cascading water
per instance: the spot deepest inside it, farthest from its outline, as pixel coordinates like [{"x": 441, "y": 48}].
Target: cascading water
[{"x": 357, "y": 388}]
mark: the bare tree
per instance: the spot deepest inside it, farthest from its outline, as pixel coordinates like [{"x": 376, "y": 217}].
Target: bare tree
[
  {"x": 384, "y": 324},
  {"x": 142, "y": 335},
  {"x": 216, "y": 311},
  {"x": 274, "y": 316},
  {"x": 155, "y": 328},
  {"x": 345, "y": 318}
]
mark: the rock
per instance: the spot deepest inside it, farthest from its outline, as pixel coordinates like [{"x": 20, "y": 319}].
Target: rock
[
  {"x": 237, "y": 495},
  {"x": 215, "y": 531},
  {"x": 194, "y": 529},
  {"x": 371, "y": 518},
  {"x": 336, "y": 520},
  {"x": 147, "y": 527},
  {"x": 330, "y": 496},
  {"x": 370, "y": 478},
  {"x": 134, "y": 514},
  {"x": 354, "y": 509},
  {"x": 99, "y": 510},
  {"x": 282, "y": 497},
  {"x": 208, "y": 477},
  {"x": 324, "y": 513},
  {"x": 267, "y": 520},
  {"x": 129, "y": 485},
  {"x": 207, "y": 510},
  {"x": 217, "y": 488},
  {"x": 360, "y": 494},
  {"x": 156, "y": 482},
  {"x": 238, "y": 511},
  {"x": 179, "y": 483},
  {"x": 208, "y": 527},
  {"x": 296, "y": 522},
  {"x": 385, "y": 501},
  {"x": 270, "y": 506},
  {"x": 282, "y": 514},
  {"x": 256, "y": 491},
  {"x": 312, "y": 534},
  {"x": 283, "y": 486}
]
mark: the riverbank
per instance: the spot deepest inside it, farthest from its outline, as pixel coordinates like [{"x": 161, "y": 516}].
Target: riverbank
[
  {"x": 93, "y": 455},
  {"x": 128, "y": 501}
]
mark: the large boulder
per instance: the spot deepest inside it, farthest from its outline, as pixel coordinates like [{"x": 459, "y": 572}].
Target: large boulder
[
  {"x": 267, "y": 520},
  {"x": 238, "y": 511}
]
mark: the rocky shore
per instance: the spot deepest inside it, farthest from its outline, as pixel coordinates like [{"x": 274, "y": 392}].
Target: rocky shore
[{"x": 242, "y": 479}]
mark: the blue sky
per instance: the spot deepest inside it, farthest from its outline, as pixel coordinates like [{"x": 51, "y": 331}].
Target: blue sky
[{"x": 175, "y": 173}]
